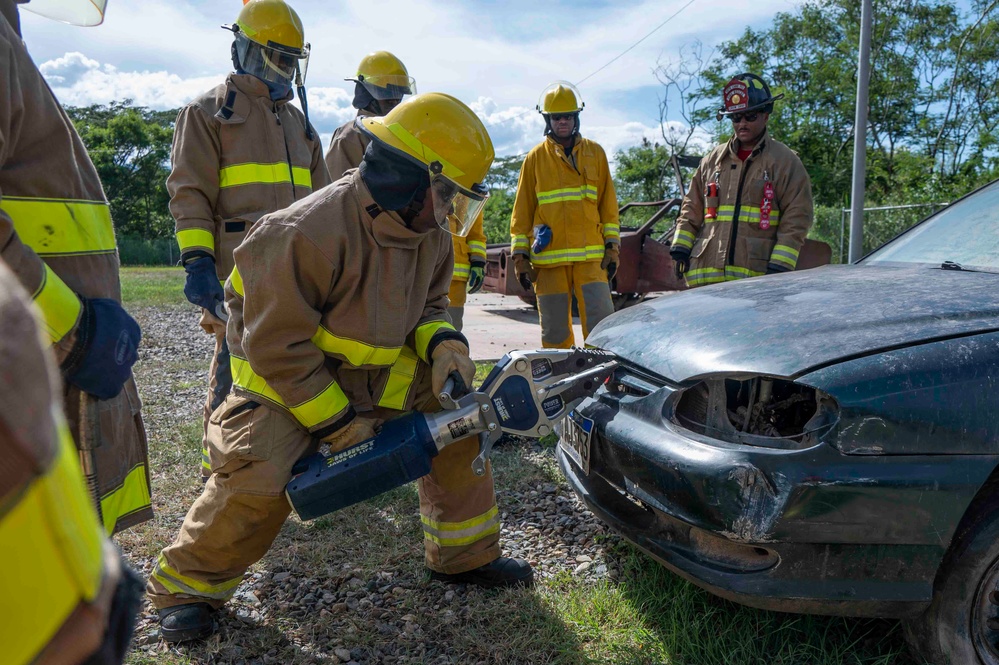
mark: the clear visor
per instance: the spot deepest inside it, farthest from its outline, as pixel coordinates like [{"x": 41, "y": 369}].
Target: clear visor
[
  {"x": 76, "y": 12},
  {"x": 272, "y": 64},
  {"x": 455, "y": 208},
  {"x": 389, "y": 86}
]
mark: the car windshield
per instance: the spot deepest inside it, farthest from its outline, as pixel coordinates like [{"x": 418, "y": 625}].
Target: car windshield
[{"x": 965, "y": 234}]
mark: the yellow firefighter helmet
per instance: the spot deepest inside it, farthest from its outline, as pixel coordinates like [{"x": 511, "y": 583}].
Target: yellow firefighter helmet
[
  {"x": 560, "y": 97},
  {"x": 384, "y": 76}
]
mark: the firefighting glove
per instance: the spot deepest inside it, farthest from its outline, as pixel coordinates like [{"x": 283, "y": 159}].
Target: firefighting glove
[
  {"x": 476, "y": 275},
  {"x": 357, "y": 430},
  {"x": 526, "y": 273},
  {"x": 612, "y": 257},
  {"x": 203, "y": 287},
  {"x": 681, "y": 261},
  {"x": 107, "y": 345},
  {"x": 451, "y": 356},
  {"x": 774, "y": 268}
]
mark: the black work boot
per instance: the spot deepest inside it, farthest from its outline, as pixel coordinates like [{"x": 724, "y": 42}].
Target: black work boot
[
  {"x": 502, "y": 572},
  {"x": 192, "y": 621}
]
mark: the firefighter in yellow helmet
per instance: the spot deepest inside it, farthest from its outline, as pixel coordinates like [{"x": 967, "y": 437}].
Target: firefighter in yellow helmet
[
  {"x": 379, "y": 86},
  {"x": 338, "y": 322},
  {"x": 469, "y": 270},
  {"x": 564, "y": 225},
  {"x": 240, "y": 151},
  {"x": 57, "y": 237}
]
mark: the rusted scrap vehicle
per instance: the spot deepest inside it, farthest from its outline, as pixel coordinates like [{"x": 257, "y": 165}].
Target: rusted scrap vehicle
[{"x": 646, "y": 267}]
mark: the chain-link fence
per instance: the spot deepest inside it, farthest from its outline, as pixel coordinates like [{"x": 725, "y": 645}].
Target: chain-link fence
[
  {"x": 136, "y": 251},
  {"x": 881, "y": 224}
]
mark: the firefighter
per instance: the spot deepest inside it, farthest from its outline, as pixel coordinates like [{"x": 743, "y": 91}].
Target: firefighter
[
  {"x": 56, "y": 236},
  {"x": 240, "y": 151},
  {"x": 564, "y": 224},
  {"x": 338, "y": 322},
  {"x": 379, "y": 86},
  {"x": 749, "y": 206},
  {"x": 469, "y": 270},
  {"x": 68, "y": 596}
]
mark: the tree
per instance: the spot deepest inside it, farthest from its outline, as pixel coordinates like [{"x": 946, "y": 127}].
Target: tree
[
  {"x": 130, "y": 146},
  {"x": 502, "y": 184}
]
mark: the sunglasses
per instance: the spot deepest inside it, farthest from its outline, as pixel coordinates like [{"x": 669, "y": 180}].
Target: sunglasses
[
  {"x": 737, "y": 117},
  {"x": 555, "y": 117}
]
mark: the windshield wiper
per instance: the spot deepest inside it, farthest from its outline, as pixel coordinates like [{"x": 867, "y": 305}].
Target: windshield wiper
[{"x": 953, "y": 265}]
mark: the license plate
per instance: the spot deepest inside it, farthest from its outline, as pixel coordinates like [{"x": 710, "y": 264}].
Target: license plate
[{"x": 575, "y": 439}]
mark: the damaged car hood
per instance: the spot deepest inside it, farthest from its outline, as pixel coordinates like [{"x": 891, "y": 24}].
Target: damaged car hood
[{"x": 788, "y": 324}]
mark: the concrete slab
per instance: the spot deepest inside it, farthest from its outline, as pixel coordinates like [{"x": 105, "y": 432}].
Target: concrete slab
[{"x": 495, "y": 324}]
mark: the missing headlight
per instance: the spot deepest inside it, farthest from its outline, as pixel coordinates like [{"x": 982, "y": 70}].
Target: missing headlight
[{"x": 759, "y": 411}]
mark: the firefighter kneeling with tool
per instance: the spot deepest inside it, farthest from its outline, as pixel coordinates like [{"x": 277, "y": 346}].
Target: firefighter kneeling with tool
[{"x": 337, "y": 323}]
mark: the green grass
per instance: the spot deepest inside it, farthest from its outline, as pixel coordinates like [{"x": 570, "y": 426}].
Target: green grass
[{"x": 152, "y": 287}]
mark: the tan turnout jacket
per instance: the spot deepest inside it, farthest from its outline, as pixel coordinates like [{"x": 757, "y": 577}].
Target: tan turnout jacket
[
  {"x": 347, "y": 147},
  {"x": 56, "y": 235},
  {"x": 722, "y": 249},
  {"x": 331, "y": 305},
  {"x": 237, "y": 156}
]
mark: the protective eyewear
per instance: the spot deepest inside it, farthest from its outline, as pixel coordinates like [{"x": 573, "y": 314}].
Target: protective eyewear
[
  {"x": 749, "y": 117},
  {"x": 274, "y": 64},
  {"x": 555, "y": 117},
  {"x": 455, "y": 208}
]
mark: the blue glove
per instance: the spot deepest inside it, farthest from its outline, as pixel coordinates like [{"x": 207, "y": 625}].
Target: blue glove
[
  {"x": 476, "y": 275},
  {"x": 107, "y": 345},
  {"x": 542, "y": 237},
  {"x": 203, "y": 287}
]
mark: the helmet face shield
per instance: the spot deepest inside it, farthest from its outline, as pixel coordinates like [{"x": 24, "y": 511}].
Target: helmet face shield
[
  {"x": 75, "y": 12},
  {"x": 389, "y": 86},
  {"x": 274, "y": 64},
  {"x": 455, "y": 208}
]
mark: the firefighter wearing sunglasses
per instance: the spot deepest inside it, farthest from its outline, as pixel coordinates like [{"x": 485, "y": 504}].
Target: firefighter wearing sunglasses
[{"x": 749, "y": 206}]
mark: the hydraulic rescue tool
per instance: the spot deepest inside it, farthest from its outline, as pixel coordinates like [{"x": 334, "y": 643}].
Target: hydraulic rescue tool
[{"x": 526, "y": 393}]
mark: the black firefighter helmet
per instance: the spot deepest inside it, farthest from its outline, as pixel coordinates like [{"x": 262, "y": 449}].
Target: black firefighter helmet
[{"x": 747, "y": 92}]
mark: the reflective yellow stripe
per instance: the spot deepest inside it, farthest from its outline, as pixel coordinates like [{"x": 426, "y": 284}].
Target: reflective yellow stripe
[
  {"x": 457, "y": 534},
  {"x": 785, "y": 254},
  {"x": 131, "y": 497},
  {"x": 567, "y": 194},
  {"x": 236, "y": 280},
  {"x": 551, "y": 256},
  {"x": 54, "y": 227},
  {"x": 324, "y": 406},
  {"x": 520, "y": 242},
  {"x": 51, "y": 556},
  {"x": 737, "y": 272},
  {"x": 423, "y": 152},
  {"x": 612, "y": 231},
  {"x": 355, "y": 352},
  {"x": 477, "y": 247},
  {"x": 190, "y": 238},
  {"x": 425, "y": 333},
  {"x": 177, "y": 583},
  {"x": 684, "y": 239},
  {"x": 400, "y": 380},
  {"x": 461, "y": 271},
  {"x": 60, "y": 307},
  {"x": 266, "y": 174}
]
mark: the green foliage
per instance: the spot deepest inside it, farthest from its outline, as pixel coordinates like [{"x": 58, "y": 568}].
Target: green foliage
[
  {"x": 502, "y": 184},
  {"x": 130, "y": 146},
  {"x": 644, "y": 173}
]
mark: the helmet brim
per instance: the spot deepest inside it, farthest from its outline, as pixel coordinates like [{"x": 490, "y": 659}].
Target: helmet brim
[{"x": 722, "y": 113}]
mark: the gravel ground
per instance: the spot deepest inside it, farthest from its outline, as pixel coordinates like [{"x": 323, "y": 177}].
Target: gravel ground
[{"x": 287, "y": 610}]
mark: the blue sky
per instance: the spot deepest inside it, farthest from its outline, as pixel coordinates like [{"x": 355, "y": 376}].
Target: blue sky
[{"x": 495, "y": 56}]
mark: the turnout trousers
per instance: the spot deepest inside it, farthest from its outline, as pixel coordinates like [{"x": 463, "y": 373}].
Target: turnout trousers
[
  {"x": 252, "y": 448},
  {"x": 555, "y": 288},
  {"x": 219, "y": 384}
]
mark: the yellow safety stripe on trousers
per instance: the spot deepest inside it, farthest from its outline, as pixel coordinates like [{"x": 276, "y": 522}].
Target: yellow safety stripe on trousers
[
  {"x": 572, "y": 254},
  {"x": 684, "y": 238},
  {"x": 59, "y": 305},
  {"x": 784, "y": 254},
  {"x": 702, "y": 276},
  {"x": 52, "y": 554},
  {"x": 236, "y": 281},
  {"x": 612, "y": 231},
  {"x": 519, "y": 242},
  {"x": 423, "y": 152},
  {"x": 264, "y": 174},
  {"x": 400, "y": 380},
  {"x": 62, "y": 227},
  {"x": 177, "y": 583},
  {"x": 131, "y": 497},
  {"x": 458, "y": 534},
  {"x": 567, "y": 194},
  {"x": 354, "y": 351},
  {"x": 477, "y": 247},
  {"x": 206, "y": 460},
  {"x": 425, "y": 333},
  {"x": 461, "y": 271},
  {"x": 189, "y": 239},
  {"x": 328, "y": 404}
]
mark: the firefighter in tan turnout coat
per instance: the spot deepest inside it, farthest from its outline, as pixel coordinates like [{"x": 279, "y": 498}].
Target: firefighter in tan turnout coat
[
  {"x": 240, "y": 151},
  {"x": 338, "y": 322},
  {"x": 57, "y": 237},
  {"x": 749, "y": 206}
]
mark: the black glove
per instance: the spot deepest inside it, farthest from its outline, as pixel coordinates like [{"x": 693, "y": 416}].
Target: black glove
[
  {"x": 476, "y": 275},
  {"x": 107, "y": 343},
  {"x": 681, "y": 262},
  {"x": 774, "y": 268},
  {"x": 203, "y": 287}
]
